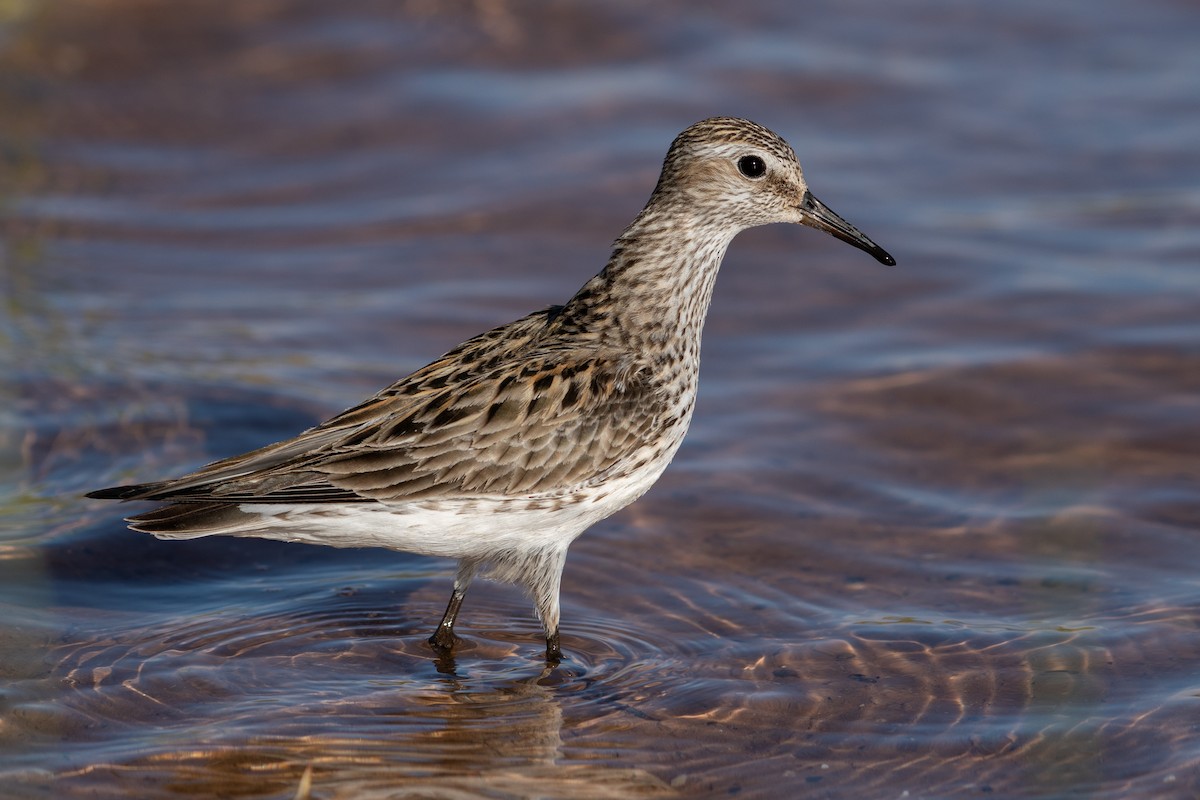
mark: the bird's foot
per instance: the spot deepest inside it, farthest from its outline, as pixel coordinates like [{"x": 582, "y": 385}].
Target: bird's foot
[
  {"x": 553, "y": 649},
  {"x": 443, "y": 641}
]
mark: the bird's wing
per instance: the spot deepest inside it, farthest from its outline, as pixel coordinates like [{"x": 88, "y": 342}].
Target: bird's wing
[
  {"x": 525, "y": 429},
  {"x": 464, "y": 362},
  {"x": 539, "y": 428},
  {"x": 475, "y": 423}
]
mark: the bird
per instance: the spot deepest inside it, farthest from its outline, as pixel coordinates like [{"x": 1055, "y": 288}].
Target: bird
[{"x": 503, "y": 451}]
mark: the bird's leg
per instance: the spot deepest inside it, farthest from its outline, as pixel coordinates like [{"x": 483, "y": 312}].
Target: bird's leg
[
  {"x": 553, "y": 649},
  {"x": 443, "y": 638},
  {"x": 544, "y": 587}
]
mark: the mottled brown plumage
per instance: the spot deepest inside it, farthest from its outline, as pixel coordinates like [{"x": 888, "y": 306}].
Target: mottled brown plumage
[{"x": 504, "y": 450}]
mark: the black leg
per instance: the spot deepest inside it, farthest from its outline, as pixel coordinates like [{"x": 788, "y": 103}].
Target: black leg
[
  {"x": 553, "y": 649},
  {"x": 443, "y": 638}
]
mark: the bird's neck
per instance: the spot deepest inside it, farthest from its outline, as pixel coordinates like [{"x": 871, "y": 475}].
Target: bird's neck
[{"x": 654, "y": 294}]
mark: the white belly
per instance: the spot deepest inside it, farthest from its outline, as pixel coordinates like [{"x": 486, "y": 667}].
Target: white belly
[{"x": 478, "y": 528}]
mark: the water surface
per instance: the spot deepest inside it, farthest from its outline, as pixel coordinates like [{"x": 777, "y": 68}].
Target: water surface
[{"x": 934, "y": 532}]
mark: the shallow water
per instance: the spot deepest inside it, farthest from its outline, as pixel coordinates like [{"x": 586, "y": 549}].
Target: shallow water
[{"x": 934, "y": 532}]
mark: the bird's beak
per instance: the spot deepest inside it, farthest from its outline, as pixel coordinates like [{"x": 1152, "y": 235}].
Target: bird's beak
[{"x": 816, "y": 214}]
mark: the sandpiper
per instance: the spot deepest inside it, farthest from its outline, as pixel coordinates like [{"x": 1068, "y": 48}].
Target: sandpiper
[{"x": 504, "y": 450}]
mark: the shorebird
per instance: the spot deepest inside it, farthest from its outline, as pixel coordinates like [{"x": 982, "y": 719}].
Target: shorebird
[{"x": 503, "y": 451}]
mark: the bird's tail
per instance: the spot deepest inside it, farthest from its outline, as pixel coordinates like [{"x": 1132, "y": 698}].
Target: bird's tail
[
  {"x": 193, "y": 520},
  {"x": 133, "y": 492}
]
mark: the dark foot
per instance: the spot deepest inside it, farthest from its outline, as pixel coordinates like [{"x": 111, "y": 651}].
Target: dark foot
[
  {"x": 553, "y": 649},
  {"x": 443, "y": 641},
  {"x": 444, "y": 663}
]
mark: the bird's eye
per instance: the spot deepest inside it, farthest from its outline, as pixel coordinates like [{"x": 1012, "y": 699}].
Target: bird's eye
[{"x": 752, "y": 166}]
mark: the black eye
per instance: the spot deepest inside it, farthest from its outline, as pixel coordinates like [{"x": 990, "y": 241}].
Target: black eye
[{"x": 752, "y": 166}]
